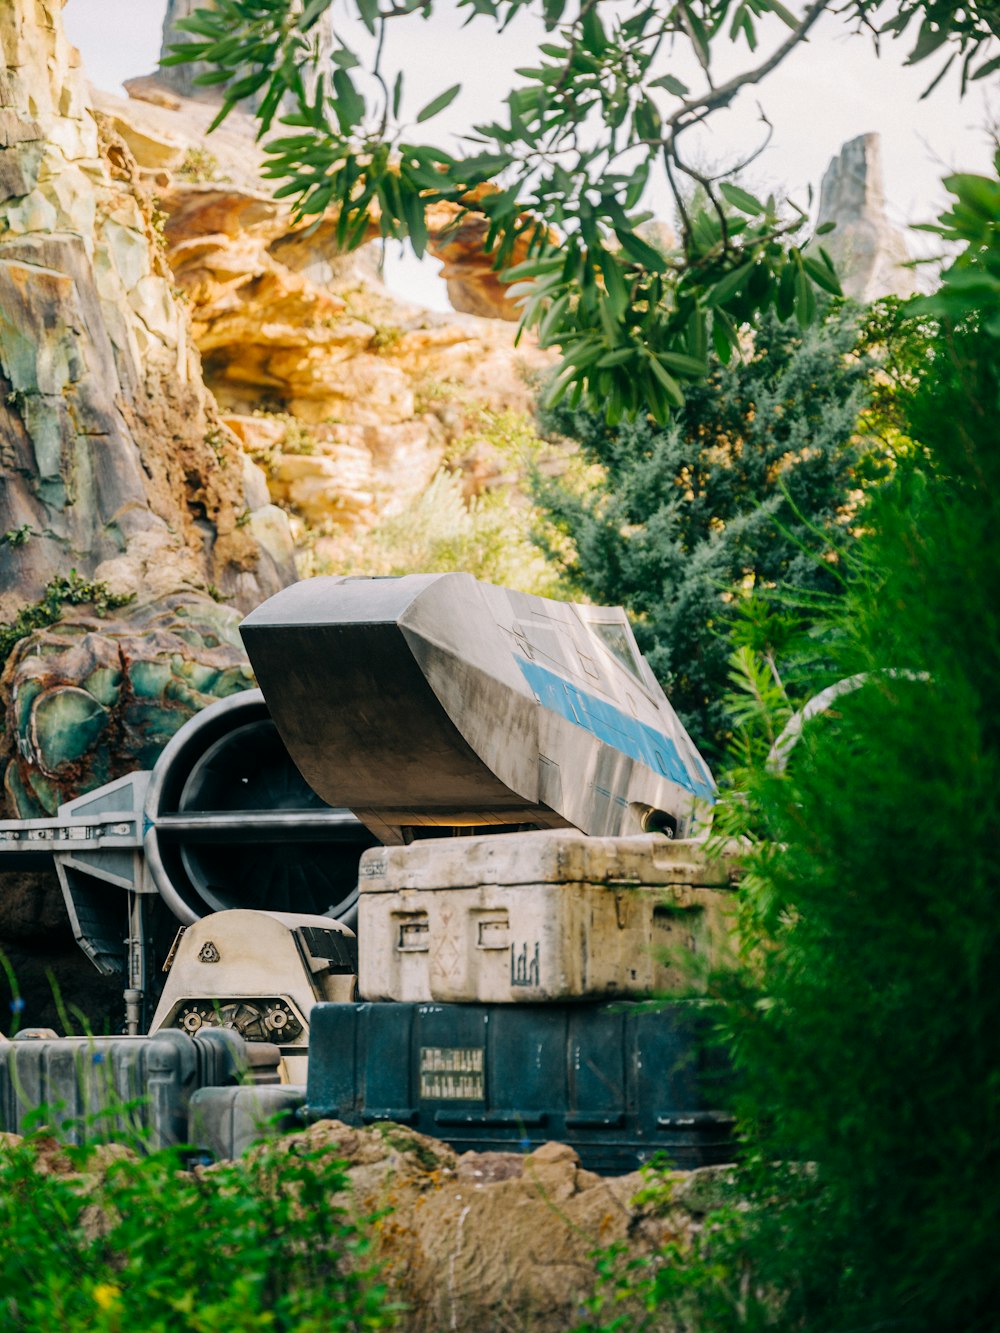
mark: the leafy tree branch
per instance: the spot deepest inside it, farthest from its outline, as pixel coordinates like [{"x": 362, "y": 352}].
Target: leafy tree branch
[{"x": 561, "y": 176}]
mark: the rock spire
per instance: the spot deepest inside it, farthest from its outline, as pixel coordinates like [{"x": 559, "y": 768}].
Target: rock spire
[{"x": 868, "y": 250}]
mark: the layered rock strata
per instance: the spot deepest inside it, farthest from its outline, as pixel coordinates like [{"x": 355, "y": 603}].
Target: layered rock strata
[
  {"x": 115, "y": 469},
  {"x": 115, "y": 463},
  {"x": 347, "y": 395},
  {"x": 113, "y": 453}
]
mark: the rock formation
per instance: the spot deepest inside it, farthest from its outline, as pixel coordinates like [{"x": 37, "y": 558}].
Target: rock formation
[
  {"x": 96, "y": 697},
  {"x": 456, "y": 239},
  {"x": 348, "y": 396},
  {"x": 491, "y": 1242},
  {"x": 119, "y": 484},
  {"x": 115, "y": 462},
  {"x": 867, "y": 249}
]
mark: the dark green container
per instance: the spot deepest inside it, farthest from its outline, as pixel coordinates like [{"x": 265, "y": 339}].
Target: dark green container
[{"x": 622, "y": 1083}]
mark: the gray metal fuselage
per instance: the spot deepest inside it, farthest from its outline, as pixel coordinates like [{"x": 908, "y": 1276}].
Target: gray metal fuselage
[{"x": 436, "y": 700}]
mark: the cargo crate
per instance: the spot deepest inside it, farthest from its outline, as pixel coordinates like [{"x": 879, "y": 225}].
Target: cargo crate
[
  {"x": 225, "y": 1122},
  {"x": 541, "y": 916},
  {"x": 89, "y": 1089},
  {"x": 622, "y": 1083}
]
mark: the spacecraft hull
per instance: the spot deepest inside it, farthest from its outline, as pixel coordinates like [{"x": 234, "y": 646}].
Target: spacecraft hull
[{"x": 436, "y": 700}]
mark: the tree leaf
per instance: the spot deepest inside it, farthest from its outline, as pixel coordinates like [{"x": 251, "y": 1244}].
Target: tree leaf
[
  {"x": 740, "y": 198},
  {"x": 805, "y": 299},
  {"x": 368, "y": 9},
  {"x": 614, "y": 283},
  {"x": 822, "y": 275},
  {"x": 672, "y": 389},
  {"x": 690, "y": 366},
  {"x": 786, "y": 16},
  {"x": 671, "y": 84},
  {"x": 641, "y": 251},
  {"x": 726, "y": 288},
  {"x": 439, "y": 103},
  {"x": 348, "y": 104},
  {"x": 311, "y": 12},
  {"x": 617, "y": 358}
]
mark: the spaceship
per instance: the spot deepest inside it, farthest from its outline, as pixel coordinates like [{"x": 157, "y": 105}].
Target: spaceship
[{"x": 435, "y": 701}]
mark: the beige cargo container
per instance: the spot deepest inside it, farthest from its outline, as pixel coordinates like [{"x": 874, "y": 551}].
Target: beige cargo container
[{"x": 528, "y": 917}]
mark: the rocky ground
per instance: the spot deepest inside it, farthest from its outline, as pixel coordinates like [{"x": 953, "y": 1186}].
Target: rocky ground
[{"x": 495, "y": 1242}]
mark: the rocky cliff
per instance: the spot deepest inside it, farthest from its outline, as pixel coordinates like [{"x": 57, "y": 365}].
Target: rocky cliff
[
  {"x": 114, "y": 459},
  {"x": 118, "y": 474},
  {"x": 347, "y": 398},
  {"x": 129, "y": 538},
  {"x": 867, "y": 248}
]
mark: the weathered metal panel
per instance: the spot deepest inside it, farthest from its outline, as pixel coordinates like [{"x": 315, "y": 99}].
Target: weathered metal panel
[
  {"x": 440, "y": 700},
  {"x": 258, "y": 973},
  {"x": 225, "y": 1122},
  {"x": 621, "y": 1083},
  {"x": 89, "y": 1088}
]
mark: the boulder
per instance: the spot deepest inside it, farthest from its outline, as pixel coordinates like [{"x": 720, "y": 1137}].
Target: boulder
[{"x": 92, "y": 698}]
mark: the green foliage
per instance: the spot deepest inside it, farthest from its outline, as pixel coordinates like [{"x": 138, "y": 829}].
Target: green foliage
[
  {"x": 17, "y": 536},
  {"x": 385, "y": 337},
  {"x": 972, "y": 282},
  {"x": 565, "y": 167},
  {"x": 200, "y": 165},
  {"x": 297, "y": 439},
  {"x": 99, "y": 1241},
  {"x": 488, "y": 536},
  {"x": 59, "y": 593},
  {"x": 864, "y": 1023},
  {"x": 877, "y": 1045},
  {"x": 752, "y": 488}
]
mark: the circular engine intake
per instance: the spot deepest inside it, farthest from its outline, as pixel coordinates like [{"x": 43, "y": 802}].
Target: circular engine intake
[{"x": 232, "y": 823}]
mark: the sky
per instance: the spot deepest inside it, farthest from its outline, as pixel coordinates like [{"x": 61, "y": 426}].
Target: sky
[{"x": 827, "y": 92}]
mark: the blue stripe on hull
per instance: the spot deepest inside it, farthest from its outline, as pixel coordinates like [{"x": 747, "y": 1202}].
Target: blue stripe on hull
[{"x": 609, "y": 724}]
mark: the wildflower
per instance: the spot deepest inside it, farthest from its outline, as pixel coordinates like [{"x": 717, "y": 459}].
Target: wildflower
[{"x": 106, "y": 1295}]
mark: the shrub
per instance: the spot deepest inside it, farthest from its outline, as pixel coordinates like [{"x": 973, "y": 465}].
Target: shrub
[
  {"x": 59, "y": 592},
  {"x": 488, "y": 536},
  {"x": 752, "y": 487},
  {"x": 100, "y": 1241},
  {"x": 865, "y": 1025}
]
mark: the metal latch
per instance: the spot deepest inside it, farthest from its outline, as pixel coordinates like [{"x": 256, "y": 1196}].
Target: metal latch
[{"x": 414, "y": 935}]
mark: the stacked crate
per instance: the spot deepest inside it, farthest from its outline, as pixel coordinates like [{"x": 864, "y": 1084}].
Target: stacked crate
[{"x": 506, "y": 986}]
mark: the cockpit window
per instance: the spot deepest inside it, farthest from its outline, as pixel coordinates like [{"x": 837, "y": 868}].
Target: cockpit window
[{"x": 615, "y": 637}]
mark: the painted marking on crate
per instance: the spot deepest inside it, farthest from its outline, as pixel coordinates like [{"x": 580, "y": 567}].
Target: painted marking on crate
[
  {"x": 452, "y": 1073},
  {"x": 525, "y": 969}
]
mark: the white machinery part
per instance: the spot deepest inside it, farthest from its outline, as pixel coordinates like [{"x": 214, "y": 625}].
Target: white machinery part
[{"x": 259, "y": 974}]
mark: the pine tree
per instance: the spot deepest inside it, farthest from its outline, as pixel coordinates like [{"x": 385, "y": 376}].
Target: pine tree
[{"x": 751, "y": 488}]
